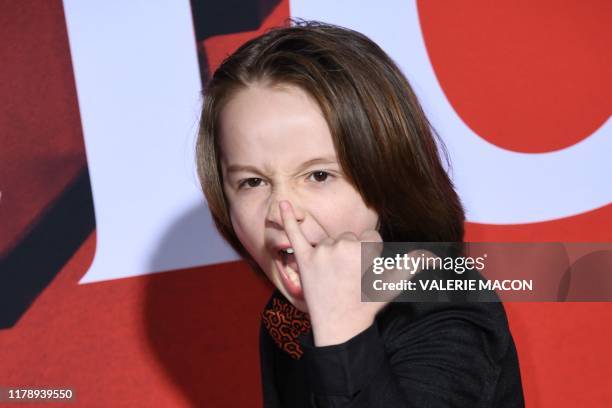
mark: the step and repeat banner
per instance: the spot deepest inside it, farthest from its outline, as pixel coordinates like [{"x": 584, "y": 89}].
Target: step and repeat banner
[{"x": 114, "y": 283}]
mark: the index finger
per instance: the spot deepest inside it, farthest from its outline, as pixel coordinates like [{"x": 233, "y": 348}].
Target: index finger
[{"x": 298, "y": 241}]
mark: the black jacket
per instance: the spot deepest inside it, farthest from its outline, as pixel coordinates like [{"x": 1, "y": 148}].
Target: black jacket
[{"x": 429, "y": 354}]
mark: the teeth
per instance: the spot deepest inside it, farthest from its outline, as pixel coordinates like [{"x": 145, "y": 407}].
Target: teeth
[
  {"x": 289, "y": 250},
  {"x": 293, "y": 276}
]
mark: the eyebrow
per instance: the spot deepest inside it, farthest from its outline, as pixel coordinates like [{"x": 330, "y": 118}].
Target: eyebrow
[{"x": 234, "y": 168}]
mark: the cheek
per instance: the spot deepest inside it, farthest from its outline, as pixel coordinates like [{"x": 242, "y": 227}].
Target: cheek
[
  {"x": 346, "y": 213},
  {"x": 356, "y": 221},
  {"x": 248, "y": 226}
]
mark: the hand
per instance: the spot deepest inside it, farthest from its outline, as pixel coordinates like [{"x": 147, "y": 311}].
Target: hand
[{"x": 330, "y": 275}]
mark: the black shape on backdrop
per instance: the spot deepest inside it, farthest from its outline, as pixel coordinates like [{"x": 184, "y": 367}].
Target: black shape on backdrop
[
  {"x": 211, "y": 18},
  {"x": 37, "y": 259}
]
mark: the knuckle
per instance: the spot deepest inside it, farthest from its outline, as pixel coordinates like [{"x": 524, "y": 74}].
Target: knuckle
[
  {"x": 371, "y": 235},
  {"x": 350, "y": 235},
  {"x": 326, "y": 242}
]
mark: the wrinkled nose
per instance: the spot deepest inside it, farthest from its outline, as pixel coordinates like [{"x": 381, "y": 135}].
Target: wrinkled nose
[{"x": 274, "y": 214}]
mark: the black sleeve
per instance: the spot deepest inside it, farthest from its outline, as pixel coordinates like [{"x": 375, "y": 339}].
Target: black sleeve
[{"x": 448, "y": 357}]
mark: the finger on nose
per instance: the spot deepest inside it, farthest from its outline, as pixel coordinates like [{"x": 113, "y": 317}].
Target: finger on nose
[{"x": 296, "y": 237}]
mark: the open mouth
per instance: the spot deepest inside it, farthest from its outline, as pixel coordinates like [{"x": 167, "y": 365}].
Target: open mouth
[
  {"x": 287, "y": 251},
  {"x": 289, "y": 272},
  {"x": 287, "y": 255},
  {"x": 290, "y": 264}
]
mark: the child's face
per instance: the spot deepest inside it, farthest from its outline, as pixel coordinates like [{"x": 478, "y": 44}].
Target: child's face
[{"x": 275, "y": 146}]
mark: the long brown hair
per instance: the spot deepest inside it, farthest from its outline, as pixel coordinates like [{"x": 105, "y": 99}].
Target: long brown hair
[{"x": 385, "y": 144}]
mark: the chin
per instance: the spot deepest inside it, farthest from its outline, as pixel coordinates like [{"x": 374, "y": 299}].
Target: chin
[
  {"x": 300, "y": 305},
  {"x": 273, "y": 275}
]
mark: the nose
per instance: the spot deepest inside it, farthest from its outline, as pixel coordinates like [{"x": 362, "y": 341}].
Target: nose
[{"x": 274, "y": 215}]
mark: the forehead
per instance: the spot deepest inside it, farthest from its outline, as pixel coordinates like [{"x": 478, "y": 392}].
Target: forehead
[{"x": 274, "y": 124}]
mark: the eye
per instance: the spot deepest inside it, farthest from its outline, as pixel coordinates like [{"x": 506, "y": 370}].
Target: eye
[
  {"x": 251, "y": 182},
  {"x": 320, "y": 176}
]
